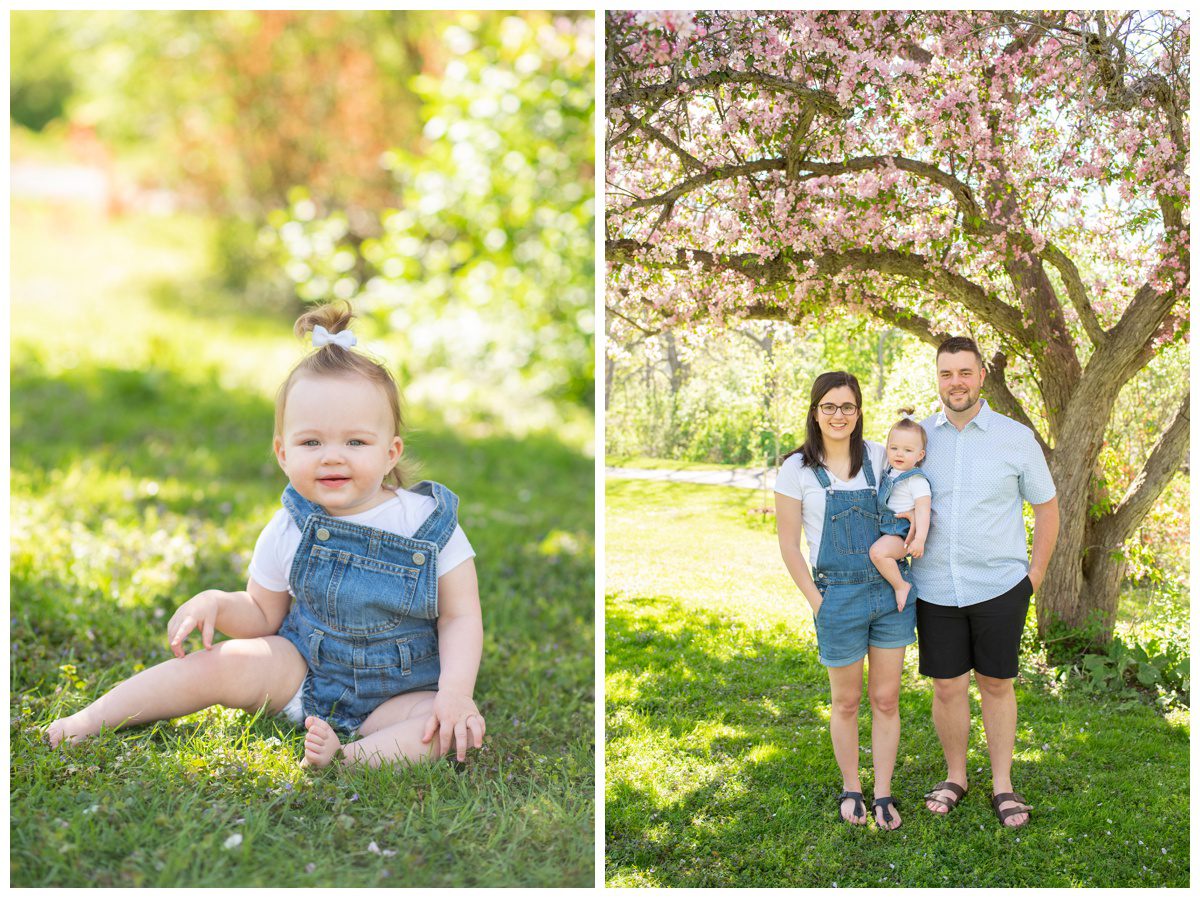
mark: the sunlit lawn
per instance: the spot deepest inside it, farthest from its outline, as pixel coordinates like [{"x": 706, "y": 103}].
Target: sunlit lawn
[
  {"x": 719, "y": 770},
  {"x": 141, "y": 473}
]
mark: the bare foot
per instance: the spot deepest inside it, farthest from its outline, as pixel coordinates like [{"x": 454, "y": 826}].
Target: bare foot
[
  {"x": 892, "y": 811},
  {"x": 847, "y": 810},
  {"x": 902, "y": 595},
  {"x": 321, "y": 745},
  {"x": 72, "y": 729}
]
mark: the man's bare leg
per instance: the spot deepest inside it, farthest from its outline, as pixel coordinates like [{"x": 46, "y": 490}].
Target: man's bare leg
[
  {"x": 998, "y": 701},
  {"x": 952, "y": 720}
]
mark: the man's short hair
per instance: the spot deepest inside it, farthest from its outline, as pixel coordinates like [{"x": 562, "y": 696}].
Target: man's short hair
[{"x": 960, "y": 344}]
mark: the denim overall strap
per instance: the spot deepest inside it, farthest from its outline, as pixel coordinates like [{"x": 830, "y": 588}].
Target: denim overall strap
[
  {"x": 298, "y": 507},
  {"x": 850, "y": 527},
  {"x": 823, "y": 475},
  {"x": 888, "y": 484},
  {"x": 439, "y": 526}
]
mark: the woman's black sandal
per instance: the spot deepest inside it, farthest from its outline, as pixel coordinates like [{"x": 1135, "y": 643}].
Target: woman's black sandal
[
  {"x": 1020, "y": 808},
  {"x": 948, "y": 803},
  {"x": 883, "y": 802},
  {"x": 858, "y": 810}
]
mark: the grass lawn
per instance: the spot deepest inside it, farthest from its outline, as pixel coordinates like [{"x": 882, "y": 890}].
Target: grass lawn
[
  {"x": 142, "y": 473},
  {"x": 719, "y": 770}
]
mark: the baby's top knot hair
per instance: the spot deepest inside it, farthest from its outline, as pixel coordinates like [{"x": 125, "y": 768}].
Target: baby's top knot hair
[
  {"x": 331, "y": 320},
  {"x": 908, "y": 422}
]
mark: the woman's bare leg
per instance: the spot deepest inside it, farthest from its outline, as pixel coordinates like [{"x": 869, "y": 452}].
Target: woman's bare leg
[
  {"x": 846, "y": 686},
  {"x": 884, "y": 668},
  {"x": 237, "y": 673}
]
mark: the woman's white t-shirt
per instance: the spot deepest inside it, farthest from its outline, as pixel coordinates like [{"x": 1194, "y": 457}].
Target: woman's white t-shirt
[
  {"x": 403, "y": 515},
  {"x": 799, "y": 482}
]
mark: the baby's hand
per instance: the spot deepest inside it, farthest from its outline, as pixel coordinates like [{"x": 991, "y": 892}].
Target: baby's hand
[
  {"x": 916, "y": 548},
  {"x": 456, "y": 715},
  {"x": 200, "y": 611}
]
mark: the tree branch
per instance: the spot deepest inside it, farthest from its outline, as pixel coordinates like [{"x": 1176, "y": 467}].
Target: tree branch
[
  {"x": 777, "y": 269},
  {"x": 648, "y": 93},
  {"x": 632, "y": 323},
  {"x": 1165, "y": 458},
  {"x": 995, "y": 388},
  {"x": 973, "y": 214},
  {"x": 1076, "y": 292}
]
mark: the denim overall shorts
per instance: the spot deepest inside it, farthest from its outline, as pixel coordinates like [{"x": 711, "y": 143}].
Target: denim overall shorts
[
  {"x": 888, "y": 522},
  {"x": 364, "y": 616},
  {"x": 858, "y": 607}
]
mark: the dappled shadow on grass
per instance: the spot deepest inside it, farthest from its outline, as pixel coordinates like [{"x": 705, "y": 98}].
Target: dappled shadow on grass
[
  {"x": 720, "y": 773},
  {"x": 723, "y": 719},
  {"x": 152, "y": 423}
]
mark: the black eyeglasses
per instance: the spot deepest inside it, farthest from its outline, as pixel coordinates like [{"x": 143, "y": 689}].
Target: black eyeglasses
[{"x": 846, "y": 408}]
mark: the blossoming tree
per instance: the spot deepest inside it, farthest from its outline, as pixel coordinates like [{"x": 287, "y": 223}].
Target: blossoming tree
[{"x": 1017, "y": 176}]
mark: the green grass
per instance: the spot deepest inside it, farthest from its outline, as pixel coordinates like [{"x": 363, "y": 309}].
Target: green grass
[
  {"x": 142, "y": 473},
  {"x": 719, "y": 770}
]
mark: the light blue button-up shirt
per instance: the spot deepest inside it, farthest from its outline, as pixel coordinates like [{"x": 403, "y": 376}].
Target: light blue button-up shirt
[{"x": 980, "y": 477}]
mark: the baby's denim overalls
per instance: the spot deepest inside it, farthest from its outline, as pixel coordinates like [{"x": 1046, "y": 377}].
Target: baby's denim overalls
[
  {"x": 888, "y": 522},
  {"x": 364, "y": 616},
  {"x": 858, "y": 607}
]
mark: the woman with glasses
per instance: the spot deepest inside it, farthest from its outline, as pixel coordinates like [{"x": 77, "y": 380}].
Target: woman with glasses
[{"x": 826, "y": 490}]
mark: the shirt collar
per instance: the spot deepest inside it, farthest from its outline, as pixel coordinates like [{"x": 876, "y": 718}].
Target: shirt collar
[{"x": 981, "y": 420}]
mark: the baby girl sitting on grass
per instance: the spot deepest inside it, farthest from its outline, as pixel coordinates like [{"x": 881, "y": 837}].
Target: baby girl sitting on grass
[{"x": 362, "y": 609}]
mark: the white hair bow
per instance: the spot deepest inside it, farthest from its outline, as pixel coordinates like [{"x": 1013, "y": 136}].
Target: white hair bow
[{"x": 321, "y": 336}]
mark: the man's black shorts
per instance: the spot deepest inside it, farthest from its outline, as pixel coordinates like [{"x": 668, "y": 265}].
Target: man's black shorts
[{"x": 985, "y": 637}]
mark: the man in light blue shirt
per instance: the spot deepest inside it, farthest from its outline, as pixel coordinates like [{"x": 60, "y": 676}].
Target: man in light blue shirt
[{"x": 975, "y": 578}]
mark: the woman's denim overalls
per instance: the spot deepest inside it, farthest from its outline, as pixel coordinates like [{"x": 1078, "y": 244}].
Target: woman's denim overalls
[
  {"x": 858, "y": 607},
  {"x": 364, "y": 616},
  {"x": 888, "y": 522}
]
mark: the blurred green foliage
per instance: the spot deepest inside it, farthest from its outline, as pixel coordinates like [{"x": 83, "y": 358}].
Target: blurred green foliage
[
  {"x": 435, "y": 167},
  {"x": 485, "y": 262},
  {"x": 40, "y": 76}
]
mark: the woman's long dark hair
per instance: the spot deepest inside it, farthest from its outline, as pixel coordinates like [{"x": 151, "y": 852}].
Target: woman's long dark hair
[{"x": 813, "y": 448}]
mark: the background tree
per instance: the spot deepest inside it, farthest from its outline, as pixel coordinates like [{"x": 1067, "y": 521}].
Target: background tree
[{"x": 1018, "y": 177}]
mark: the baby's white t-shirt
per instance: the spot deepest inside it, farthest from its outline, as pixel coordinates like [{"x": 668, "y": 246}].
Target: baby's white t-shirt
[
  {"x": 905, "y": 494},
  {"x": 800, "y": 482},
  {"x": 403, "y": 515}
]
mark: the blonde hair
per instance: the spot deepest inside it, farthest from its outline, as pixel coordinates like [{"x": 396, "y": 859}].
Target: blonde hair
[
  {"x": 332, "y": 360},
  {"x": 908, "y": 422}
]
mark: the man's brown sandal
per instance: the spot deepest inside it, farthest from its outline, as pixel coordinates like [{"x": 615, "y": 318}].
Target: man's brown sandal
[
  {"x": 948, "y": 803},
  {"x": 1019, "y": 808}
]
